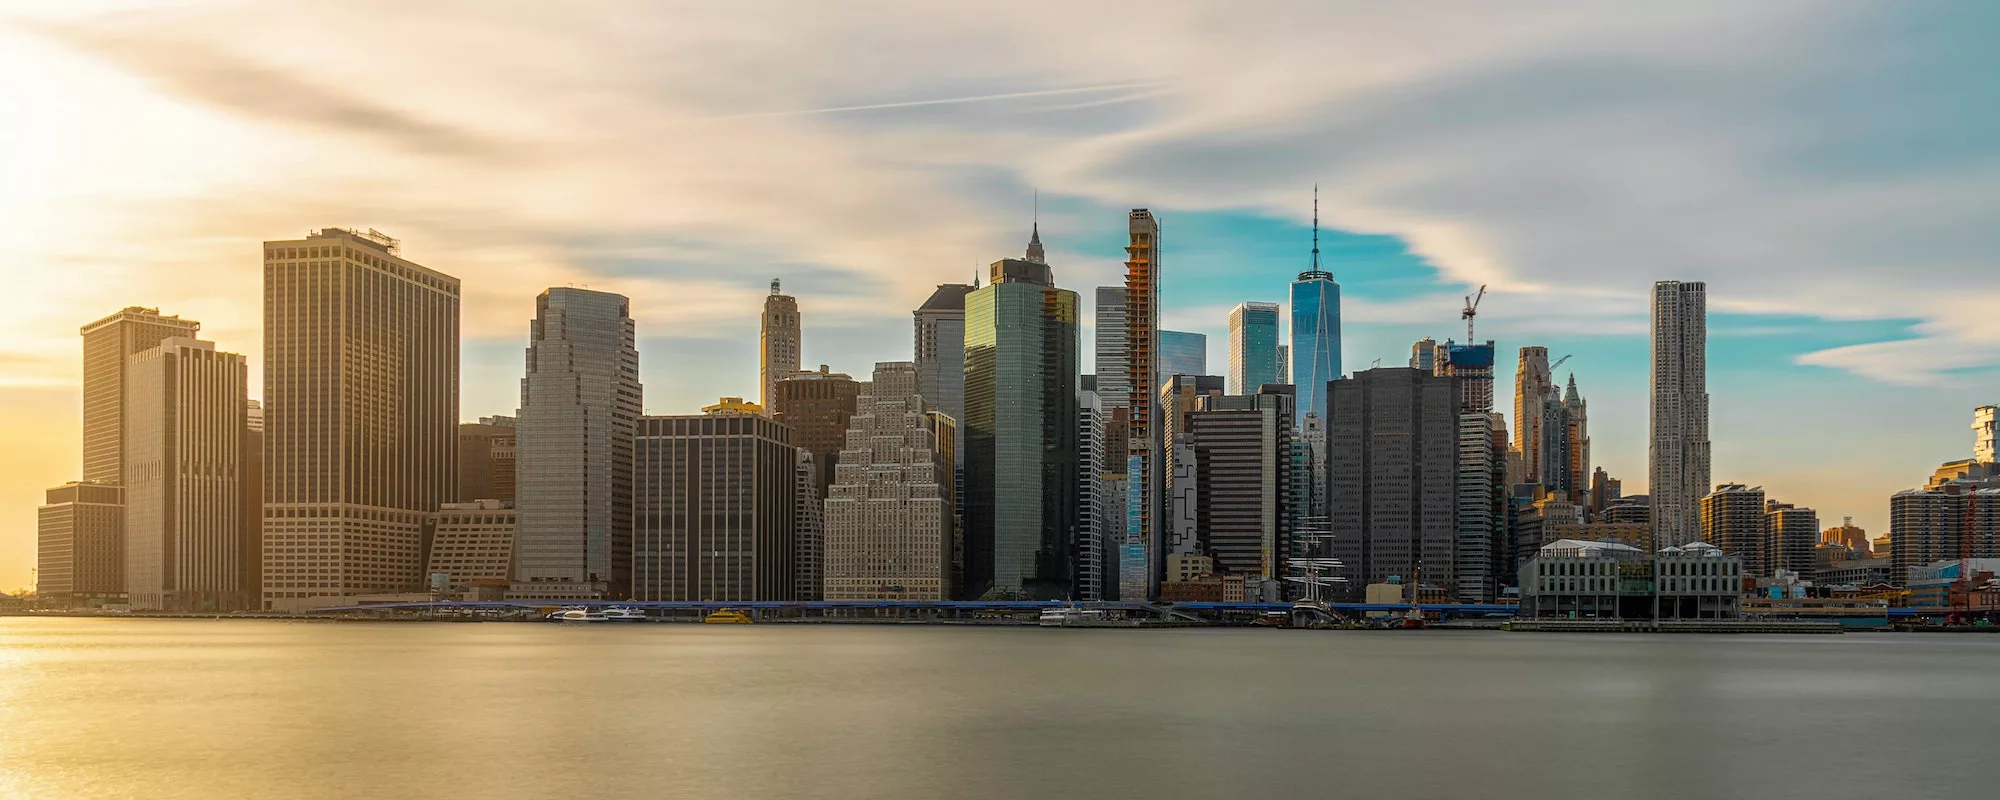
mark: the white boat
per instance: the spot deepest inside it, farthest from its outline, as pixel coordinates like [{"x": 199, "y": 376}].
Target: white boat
[
  {"x": 612, "y": 614},
  {"x": 1074, "y": 617}
]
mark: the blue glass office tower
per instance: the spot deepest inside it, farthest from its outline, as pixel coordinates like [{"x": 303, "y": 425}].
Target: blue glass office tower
[
  {"x": 1315, "y": 330},
  {"x": 1253, "y": 347},
  {"x": 1182, "y": 353}
]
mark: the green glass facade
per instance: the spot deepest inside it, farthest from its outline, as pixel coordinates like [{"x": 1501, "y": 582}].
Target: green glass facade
[{"x": 1021, "y": 351}]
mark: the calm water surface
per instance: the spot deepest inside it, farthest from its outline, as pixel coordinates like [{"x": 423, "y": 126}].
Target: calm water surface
[{"x": 108, "y": 708}]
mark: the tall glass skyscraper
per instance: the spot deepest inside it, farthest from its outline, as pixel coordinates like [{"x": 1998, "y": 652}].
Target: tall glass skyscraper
[
  {"x": 580, "y": 406},
  {"x": 1253, "y": 347},
  {"x": 1315, "y": 330},
  {"x": 1021, "y": 354},
  {"x": 1182, "y": 353}
]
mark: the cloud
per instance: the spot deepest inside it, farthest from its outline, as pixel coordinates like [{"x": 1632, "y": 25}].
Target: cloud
[{"x": 1565, "y": 154}]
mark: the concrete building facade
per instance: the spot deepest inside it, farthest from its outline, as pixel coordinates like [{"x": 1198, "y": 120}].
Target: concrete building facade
[
  {"x": 473, "y": 541},
  {"x": 889, "y": 515},
  {"x": 1732, "y": 518},
  {"x": 486, "y": 460},
  {"x": 1244, "y": 482},
  {"x": 185, "y": 410},
  {"x": 1114, "y": 384},
  {"x": 107, "y": 344},
  {"x": 779, "y": 339},
  {"x": 817, "y": 406},
  {"x": 80, "y": 545},
  {"x": 1678, "y": 448},
  {"x": 714, "y": 508},
  {"x": 360, "y": 415},
  {"x": 1392, "y": 475}
]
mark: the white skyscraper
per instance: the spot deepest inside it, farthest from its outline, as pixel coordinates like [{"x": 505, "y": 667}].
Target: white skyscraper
[
  {"x": 1678, "y": 451},
  {"x": 889, "y": 510}
]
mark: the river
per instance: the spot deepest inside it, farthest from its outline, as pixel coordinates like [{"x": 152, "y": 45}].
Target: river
[{"x": 170, "y": 709}]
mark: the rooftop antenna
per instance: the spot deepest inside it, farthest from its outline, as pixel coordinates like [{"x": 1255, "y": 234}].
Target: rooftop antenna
[{"x": 1315, "y": 227}]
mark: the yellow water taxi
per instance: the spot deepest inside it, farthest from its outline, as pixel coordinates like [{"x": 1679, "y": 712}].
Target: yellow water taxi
[{"x": 728, "y": 617}]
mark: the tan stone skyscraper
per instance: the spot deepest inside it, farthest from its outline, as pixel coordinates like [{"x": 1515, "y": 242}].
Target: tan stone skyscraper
[
  {"x": 184, "y": 430},
  {"x": 778, "y": 344},
  {"x": 106, "y": 344},
  {"x": 889, "y": 512},
  {"x": 360, "y": 415}
]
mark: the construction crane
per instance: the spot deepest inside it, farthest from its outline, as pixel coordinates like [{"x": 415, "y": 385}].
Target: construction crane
[
  {"x": 1472, "y": 310},
  {"x": 1559, "y": 362}
]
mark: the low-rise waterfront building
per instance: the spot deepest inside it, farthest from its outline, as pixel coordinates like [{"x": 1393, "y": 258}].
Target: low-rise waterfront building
[
  {"x": 472, "y": 542},
  {"x": 1607, "y": 580}
]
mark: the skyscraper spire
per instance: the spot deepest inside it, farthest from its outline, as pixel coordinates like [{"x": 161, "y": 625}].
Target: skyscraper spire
[
  {"x": 1035, "y": 239},
  {"x": 1315, "y": 227},
  {"x": 1316, "y": 272},
  {"x": 1570, "y": 396}
]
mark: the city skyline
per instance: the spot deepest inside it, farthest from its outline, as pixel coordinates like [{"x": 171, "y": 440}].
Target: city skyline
[{"x": 1864, "y": 348}]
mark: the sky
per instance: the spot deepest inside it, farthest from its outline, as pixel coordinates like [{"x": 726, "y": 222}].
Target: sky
[{"x": 1831, "y": 169}]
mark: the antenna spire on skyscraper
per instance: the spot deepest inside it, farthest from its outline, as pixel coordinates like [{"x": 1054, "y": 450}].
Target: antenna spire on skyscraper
[
  {"x": 1035, "y": 253},
  {"x": 1315, "y": 227},
  {"x": 1315, "y": 272}
]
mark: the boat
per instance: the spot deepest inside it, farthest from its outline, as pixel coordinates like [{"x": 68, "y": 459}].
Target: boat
[
  {"x": 1076, "y": 617},
  {"x": 727, "y": 616},
  {"x": 612, "y": 614}
]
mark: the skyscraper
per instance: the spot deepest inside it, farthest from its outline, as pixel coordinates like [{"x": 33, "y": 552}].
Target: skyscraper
[
  {"x": 1244, "y": 481},
  {"x": 1532, "y": 388},
  {"x": 1678, "y": 445},
  {"x": 1576, "y": 442},
  {"x": 889, "y": 516},
  {"x": 1315, "y": 351},
  {"x": 184, "y": 422},
  {"x": 1138, "y": 553},
  {"x": 808, "y": 530},
  {"x": 580, "y": 405},
  {"x": 107, "y": 343},
  {"x": 1114, "y": 385},
  {"x": 1020, "y": 418},
  {"x": 1181, "y": 353},
  {"x": 714, "y": 507},
  {"x": 1472, "y": 364},
  {"x": 817, "y": 406},
  {"x": 1095, "y": 532},
  {"x": 1253, "y": 347},
  {"x": 360, "y": 415},
  {"x": 1392, "y": 474},
  {"x": 1284, "y": 364},
  {"x": 777, "y": 344},
  {"x": 940, "y": 351}
]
